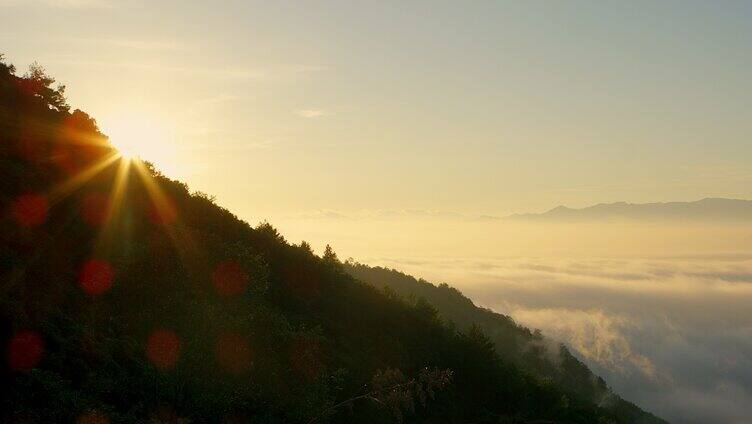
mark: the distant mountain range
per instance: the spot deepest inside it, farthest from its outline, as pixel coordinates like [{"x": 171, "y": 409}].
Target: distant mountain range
[{"x": 709, "y": 209}]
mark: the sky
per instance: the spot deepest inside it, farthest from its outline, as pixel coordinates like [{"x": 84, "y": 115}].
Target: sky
[
  {"x": 286, "y": 108},
  {"x": 400, "y": 132}
]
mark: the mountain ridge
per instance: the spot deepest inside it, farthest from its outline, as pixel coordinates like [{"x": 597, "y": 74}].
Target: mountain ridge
[{"x": 706, "y": 209}]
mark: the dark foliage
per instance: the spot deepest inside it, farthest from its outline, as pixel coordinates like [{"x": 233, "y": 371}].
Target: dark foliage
[{"x": 125, "y": 298}]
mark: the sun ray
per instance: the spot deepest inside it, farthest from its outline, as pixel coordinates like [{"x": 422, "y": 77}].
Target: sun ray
[
  {"x": 192, "y": 256},
  {"x": 169, "y": 217},
  {"x": 114, "y": 203},
  {"x": 70, "y": 185},
  {"x": 64, "y": 189}
]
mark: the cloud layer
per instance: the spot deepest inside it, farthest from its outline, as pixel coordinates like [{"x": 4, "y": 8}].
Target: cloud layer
[{"x": 673, "y": 335}]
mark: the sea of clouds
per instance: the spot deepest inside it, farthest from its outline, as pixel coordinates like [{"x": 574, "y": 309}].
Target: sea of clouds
[
  {"x": 672, "y": 334},
  {"x": 663, "y": 312}
]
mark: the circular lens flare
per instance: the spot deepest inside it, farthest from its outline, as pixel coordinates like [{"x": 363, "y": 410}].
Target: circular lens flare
[
  {"x": 29, "y": 209},
  {"x": 163, "y": 348},
  {"x": 95, "y": 277},
  {"x": 24, "y": 350},
  {"x": 229, "y": 278}
]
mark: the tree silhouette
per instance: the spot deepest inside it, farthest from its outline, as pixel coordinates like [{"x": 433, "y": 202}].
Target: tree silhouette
[
  {"x": 329, "y": 256},
  {"x": 39, "y": 84}
]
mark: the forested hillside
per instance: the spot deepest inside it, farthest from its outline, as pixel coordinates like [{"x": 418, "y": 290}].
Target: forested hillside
[
  {"x": 528, "y": 350},
  {"x": 125, "y": 298}
]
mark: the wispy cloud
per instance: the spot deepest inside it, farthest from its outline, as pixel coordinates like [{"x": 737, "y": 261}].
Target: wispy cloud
[
  {"x": 594, "y": 334},
  {"x": 320, "y": 214},
  {"x": 311, "y": 113}
]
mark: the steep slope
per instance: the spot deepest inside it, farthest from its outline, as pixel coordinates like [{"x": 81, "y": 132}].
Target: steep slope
[
  {"x": 528, "y": 350},
  {"x": 126, "y": 298},
  {"x": 710, "y": 210}
]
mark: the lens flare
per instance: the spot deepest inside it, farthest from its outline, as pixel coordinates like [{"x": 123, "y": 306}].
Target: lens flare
[
  {"x": 163, "y": 348},
  {"x": 162, "y": 211},
  {"x": 29, "y": 210},
  {"x": 24, "y": 350},
  {"x": 95, "y": 277},
  {"x": 229, "y": 278}
]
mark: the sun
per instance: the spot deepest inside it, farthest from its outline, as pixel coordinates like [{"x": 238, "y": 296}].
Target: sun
[{"x": 136, "y": 136}]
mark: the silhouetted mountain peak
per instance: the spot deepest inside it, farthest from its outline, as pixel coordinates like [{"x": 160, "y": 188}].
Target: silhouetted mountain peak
[
  {"x": 707, "y": 209},
  {"x": 560, "y": 208}
]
